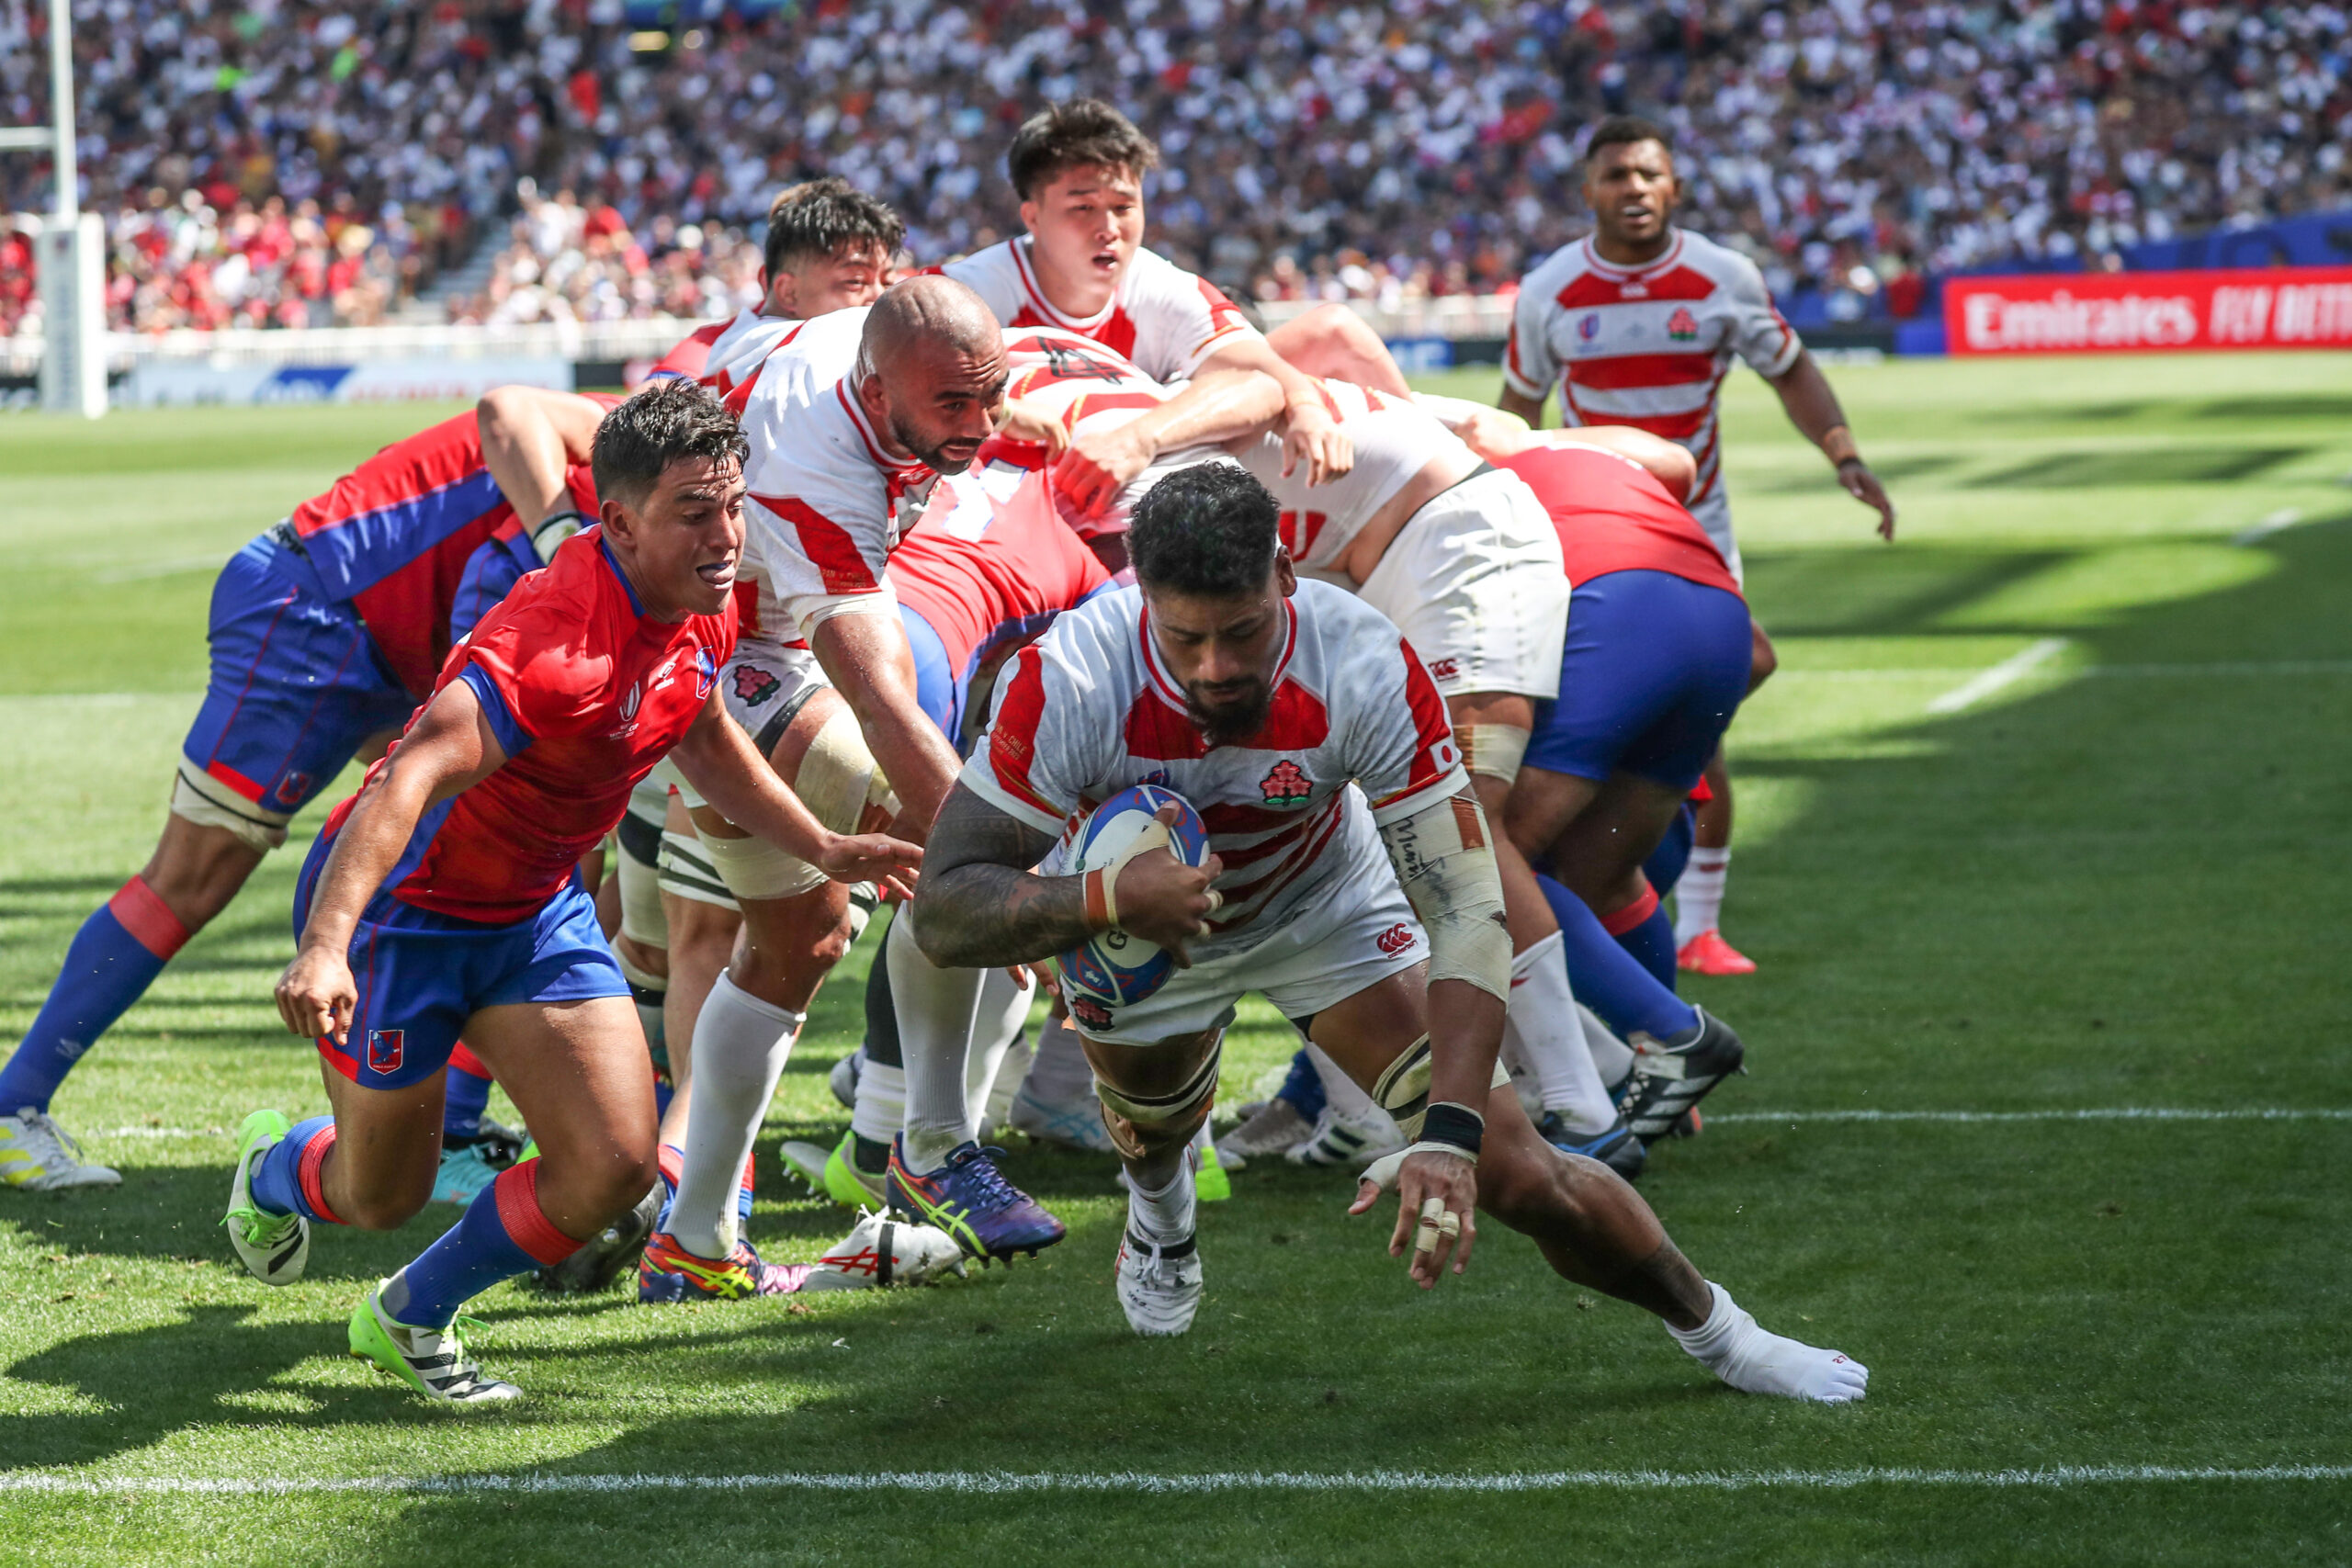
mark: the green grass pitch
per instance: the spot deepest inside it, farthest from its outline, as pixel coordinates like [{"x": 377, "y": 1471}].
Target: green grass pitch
[{"x": 2115, "y": 881}]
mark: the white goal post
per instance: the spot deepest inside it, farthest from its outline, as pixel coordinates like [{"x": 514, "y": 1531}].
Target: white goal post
[{"x": 69, "y": 247}]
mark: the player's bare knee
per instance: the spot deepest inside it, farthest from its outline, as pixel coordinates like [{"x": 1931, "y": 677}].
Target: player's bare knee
[{"x": 385, "y": 1210}]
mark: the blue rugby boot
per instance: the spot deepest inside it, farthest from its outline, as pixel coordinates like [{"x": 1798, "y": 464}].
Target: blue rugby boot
[{"x": 973, "y": 1203}]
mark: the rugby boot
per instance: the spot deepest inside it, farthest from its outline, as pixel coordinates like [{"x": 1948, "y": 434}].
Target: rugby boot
[
  {"x": 1614, "y": 1146},
  {"x": 606, "y": 1255},
  {"x": 272, "y": 1247},
  {"x": 970, "y": 1199},
  {"x": 1353, "y": 1140},
  {"x": 1158, "y": 1283},
  {"x": 1709, "y": 953},
  {"x": 668, "y": 1273},
  {"x": 1070, "y": 1126},
  {"x": 881, "y": 1251},
  {"x": 842, "y": 1080},
  {"x": 38, "y": 1155},
  {"x": 1671, "y": 1076},
  {"x": 1273, "y": 1128},
  {"x": 466, "y": 1170},
  {"x": 833, "y": 1173},
  {"x": 433, "y": 1361}
]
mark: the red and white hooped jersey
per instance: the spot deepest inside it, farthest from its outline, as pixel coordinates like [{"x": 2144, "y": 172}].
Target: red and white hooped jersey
[
  {"x": 1648, "y": 346},
  {"x": 722, "y": 354},
  {"x": 1089, "y": 709},
  {"x": 1164, "y": 319},
  {"x": 1395, "y": 440},
  {"x": 1070, "y": 377},
  {"x": 824, "y": 487}
]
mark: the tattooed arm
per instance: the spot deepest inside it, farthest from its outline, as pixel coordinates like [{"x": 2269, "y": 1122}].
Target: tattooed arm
[{"x": 978, "y": 906}]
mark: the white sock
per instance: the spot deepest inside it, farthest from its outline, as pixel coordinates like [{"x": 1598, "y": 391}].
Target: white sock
[
  {"x": 1611, "y": 1057},
  {"x": 1059, "y": 1072},
  {"x": 1730, "y": 1344},
  {"x": 1164, "y": 1215},
  {"x": 1339, "y": 1090},
  {"x": 1540, "y": 1024},
  {"x": 1699, "y": 897},
  {"x": 935, "y": 1009},
  {"x": 881, "y": 1107},
  {"x": 1003, "y": 1008},
  {"x": 740, "y": 1047},
  {"x": 1009, "y": 1078}
]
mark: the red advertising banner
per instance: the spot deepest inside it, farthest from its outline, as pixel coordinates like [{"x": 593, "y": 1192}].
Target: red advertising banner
[{"x": 2125, "y": 312}]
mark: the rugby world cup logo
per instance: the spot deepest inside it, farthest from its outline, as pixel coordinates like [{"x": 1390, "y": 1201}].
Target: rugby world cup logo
[{"x": 1589, "y": 325}]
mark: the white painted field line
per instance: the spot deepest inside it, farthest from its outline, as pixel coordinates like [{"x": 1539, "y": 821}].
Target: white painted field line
[
  {"x": 2254, "y": 534},
  {"x": 2116, "y": 1113},
  {"x": 999, "y": 1483},
  {"x": 2218, "y": 668},
  {"x": 2006, "y": 672}
]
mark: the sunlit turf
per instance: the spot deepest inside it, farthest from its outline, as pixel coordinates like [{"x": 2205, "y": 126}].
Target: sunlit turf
[{"x": 2115, "y": 883}]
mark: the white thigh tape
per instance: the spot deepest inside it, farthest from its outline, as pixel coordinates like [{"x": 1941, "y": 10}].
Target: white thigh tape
[
  {"x": 687, "y": 873},
  {"x": 838, "y": 778},
  {"x": 199, "y": 799},
  {"x": 754, "y": 868},
  {"x": 641, "y": 918},
  {"x": 1403, "y": 1090}
]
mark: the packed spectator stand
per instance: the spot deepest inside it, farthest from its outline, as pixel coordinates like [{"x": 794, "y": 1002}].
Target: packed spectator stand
[{"x": 290, "y": 164}]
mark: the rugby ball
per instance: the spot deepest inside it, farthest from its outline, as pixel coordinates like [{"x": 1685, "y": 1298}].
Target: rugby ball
[{"x": 1114, "y": 969}]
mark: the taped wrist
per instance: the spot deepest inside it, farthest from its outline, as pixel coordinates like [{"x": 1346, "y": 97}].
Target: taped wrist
[
  {"x": 1101, "y": 883},
  {"x": 553, "y": 530},
  {"x": 1446, "y": 863},
  {"x": 1453, "y": 1127}
]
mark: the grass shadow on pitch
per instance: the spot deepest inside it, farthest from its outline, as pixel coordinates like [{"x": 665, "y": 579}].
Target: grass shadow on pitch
[{"x": 1879, "y": 592}]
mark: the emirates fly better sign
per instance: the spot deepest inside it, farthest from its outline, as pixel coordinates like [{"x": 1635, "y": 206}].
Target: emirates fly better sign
[{"x": 2122, "y": 312}]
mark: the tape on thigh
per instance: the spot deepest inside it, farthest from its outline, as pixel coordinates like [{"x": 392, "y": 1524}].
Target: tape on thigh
[
  {"x": 199, "y": 799},
  {"x": 687, "y": 873},
  {"x": 1403, "y": 1090},
  {"x": 1494, "y": 750},
  {"x": 640, "y": 872},
  {"x": 754, "y": 868},
  {"x": 839, "y": 778}
]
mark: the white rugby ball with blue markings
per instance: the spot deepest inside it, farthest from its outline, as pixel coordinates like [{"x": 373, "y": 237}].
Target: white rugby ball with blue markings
[{"x": 1114, "y": 969}]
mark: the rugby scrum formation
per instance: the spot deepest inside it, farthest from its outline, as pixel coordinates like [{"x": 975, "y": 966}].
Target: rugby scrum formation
[{"x": 1106, "y": 642}]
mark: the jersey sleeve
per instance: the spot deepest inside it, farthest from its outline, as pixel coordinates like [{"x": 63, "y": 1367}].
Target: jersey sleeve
[
  {"x": 823, "y": 541},
  {"x": 1401, "y": 744},
  {"x": 1530, "y": 367},
  {"x": 1758, "y": 334},
  {"x": 686, "y": 360},
  {"x": 1039, "y": 752},
  {"x": 527, "y": 670},
  {"x": 1181, "y": 320}
]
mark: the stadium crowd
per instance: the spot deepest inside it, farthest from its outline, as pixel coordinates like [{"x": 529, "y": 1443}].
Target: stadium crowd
[{"x": 1314, "y": 150}]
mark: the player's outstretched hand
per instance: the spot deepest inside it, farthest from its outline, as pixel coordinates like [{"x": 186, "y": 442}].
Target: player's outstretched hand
[
  {"x": 1098, "y": 466},
  {"x": 892, "y": 864},
  {"x": 316, "y": 995},
  {"x": 1863, "y": 486},
  {"x": 1437, "y": 1207},
  {"x": 1314, "y": 438},
  {"x": 1021, "y": 422},
  {"x": 1164, "y": 901}
]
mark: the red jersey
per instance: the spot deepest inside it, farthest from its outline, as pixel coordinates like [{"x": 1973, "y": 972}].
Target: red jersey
[
  {"x": 991, "y": 564},
  {"x": 585, "y": 692},
  {"x": 1613, "y": 516},
  {"x": 394, "y": 535}
]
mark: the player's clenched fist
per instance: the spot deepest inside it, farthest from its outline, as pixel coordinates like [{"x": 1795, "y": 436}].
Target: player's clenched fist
[
  {"x": 892, "y": 864},
  {"x": 1164, "y": 901},
  {"x": 1021, "y": 422},
  {"x": 1098, "y": 466},
  {"x": 1315, "y": 439},
  {"x": 1437, "y": 1203},
  {"x": 316, "y": 995}
]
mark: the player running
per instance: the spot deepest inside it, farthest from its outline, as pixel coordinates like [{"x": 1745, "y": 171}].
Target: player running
[
  {"x": 828, "y": 248},
  {"x": 1638, "y": 324},
  {"x": 326, "y": 632},
  {"x": 1263, "y": 699},
  {"x": 1078, "y": 168},
  {"x": 444, "y": 896},
  {"x": 859, "y": 413}
]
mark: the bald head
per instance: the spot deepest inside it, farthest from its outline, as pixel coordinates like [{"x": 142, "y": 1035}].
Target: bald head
[{"x": 931, "y": 370}]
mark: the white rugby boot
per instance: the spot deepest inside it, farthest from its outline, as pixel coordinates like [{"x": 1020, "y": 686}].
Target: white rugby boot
[
  {"x": 1274, "y": 1127},
  {"x": 38, "y": 1155},
  {"x": 1076, "y": 1125},
  {"x": 882, "y": 1250},
  {"x": 1159, "y": 1283},
  {"x": 1354, "y": 1139}
]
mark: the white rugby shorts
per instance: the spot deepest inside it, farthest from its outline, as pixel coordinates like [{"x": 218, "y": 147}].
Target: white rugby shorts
[
  {"x": 763, "y": 685},
  {"x": 1354, "y": 932},
  {"x": 1714, "y": 513},
  {"x": 1476, "y": 581}
]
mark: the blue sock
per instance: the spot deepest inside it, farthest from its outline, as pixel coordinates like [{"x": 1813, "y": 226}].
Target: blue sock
[
  {"x": 464, "y": 1100},
  {"x": 502, "y": 1233},
  {"x": 1607, "y": 978},
  {"x": 1651, "y": 941},
  {"x": 277, "y": 1181},
  {"x": 1304, "y": 1087},
  {"x": 109, "y": 964},
  {"x": 1665, "y": 866}
]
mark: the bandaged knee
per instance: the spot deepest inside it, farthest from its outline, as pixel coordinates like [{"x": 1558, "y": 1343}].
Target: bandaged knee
[
  {"x": 1139, "y": 1121},
  {"x": 1445, "y": 862},
  {"x": 199, "y": 799}
]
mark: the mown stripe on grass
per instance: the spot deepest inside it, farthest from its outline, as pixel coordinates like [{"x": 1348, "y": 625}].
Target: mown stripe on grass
[
  {"x": 991, "y": 1481},
  {"x": 2110, "y": 1113}
]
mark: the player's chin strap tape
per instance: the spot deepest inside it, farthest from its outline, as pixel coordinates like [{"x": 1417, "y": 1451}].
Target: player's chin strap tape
[
  {"x": 1403, "y": 1091},
  {"x": 1178, "y": 1113},
  {"x": 1493, "y": 750},
  {"x": 1446, "y": 863}
]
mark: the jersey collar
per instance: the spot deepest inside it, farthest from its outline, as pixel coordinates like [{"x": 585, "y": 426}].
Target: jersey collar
[
  {"x": 636, "y": 607},
  {"x": 1665, "y": 258},
  {"x": 1037, "y": 290},
  {"x": 903, "y": 476}
]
